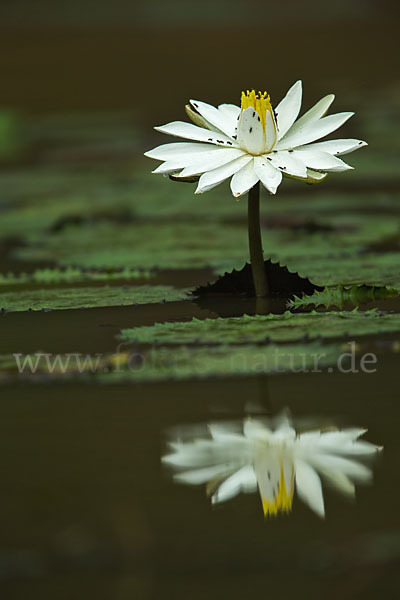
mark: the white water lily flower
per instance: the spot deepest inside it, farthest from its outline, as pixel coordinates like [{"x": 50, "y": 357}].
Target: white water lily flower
[
  {"x": 273, "y": 459},
  {"x": 255, "y": 143}
]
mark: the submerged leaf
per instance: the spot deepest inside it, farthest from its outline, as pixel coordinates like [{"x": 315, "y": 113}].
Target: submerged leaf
[{"x": 282, "y": 282}]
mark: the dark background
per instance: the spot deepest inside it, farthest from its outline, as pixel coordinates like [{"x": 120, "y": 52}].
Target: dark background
[{"x": 152, "y": 55}]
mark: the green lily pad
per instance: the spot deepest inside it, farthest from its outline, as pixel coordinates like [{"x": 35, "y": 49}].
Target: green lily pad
[
  {"x": 164, "y": 245},
  {"x": 364, "y": 269},
  {"x": 293, "y": 199},
  {"x": 71, "y": 274},
  {"x": 159, "y": 363},
  {"x": 87, "y": 297},
  {"x": 11, "y": 138},
  {"x": 36, "y": 201},
  {"x": 288, "y": 327},
  {"x": 194, "y": 244},
  {"x": 340, "y": 295},
  {"x": 323, "y": 205}
]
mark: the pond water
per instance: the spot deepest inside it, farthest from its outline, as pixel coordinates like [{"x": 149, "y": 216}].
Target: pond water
[
  {"x": 105, "y": 352},
  {"x": 87, "y": 505}
]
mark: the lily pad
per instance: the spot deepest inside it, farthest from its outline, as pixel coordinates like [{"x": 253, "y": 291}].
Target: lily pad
[
  {"x": 321, "y": 204},
  {"x": 87, "y": 297},
  {"x": 194, "y": 244},
  {"x": 72, "y": 274},
  {"x": 363, "y": 269},
  {"x": 289, "y": 327},
  {"x": 159, "y": 363},
  {"x": 11, "y": 137},
  {"x": 340, "y": 295},
  {"x": 169, "y": 245}
]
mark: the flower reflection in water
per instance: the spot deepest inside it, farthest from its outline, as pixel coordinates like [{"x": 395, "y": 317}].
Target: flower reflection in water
[{"x": 269, "y": 455}]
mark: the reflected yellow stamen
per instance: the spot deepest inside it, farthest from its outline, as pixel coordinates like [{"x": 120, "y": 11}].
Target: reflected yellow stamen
[
  {"x": 283, "y": 499},
  {"x": 260, "y": 102}
]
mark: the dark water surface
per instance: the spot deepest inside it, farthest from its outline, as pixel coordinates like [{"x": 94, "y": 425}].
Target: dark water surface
[{"x": 85, "y": 502}]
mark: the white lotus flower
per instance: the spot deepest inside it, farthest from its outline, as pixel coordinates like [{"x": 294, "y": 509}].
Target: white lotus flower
[
  {"x": 273, "y": 459},
  {"x": 255, "y": 143}
]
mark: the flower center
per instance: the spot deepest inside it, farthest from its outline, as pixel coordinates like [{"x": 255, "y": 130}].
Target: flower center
[
  {"x": 260, "y": 102},
  {"x": 283, "y": 497}
]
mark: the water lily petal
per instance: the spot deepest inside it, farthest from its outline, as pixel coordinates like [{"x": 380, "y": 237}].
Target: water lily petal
[
  {"x": 250, "y": 133},
  {"x": 192, "y": 132},
  {"x": 269, "y": 176},
  {"x": 336, "y": 147},
  {"x": 185, "y": 458},
  {"x": 288, "y": 162},
  {"x": 243, "y": 480},
  {"x": 333, "y": 438},
  {"x": 338, "y": 442},
  {"x": 169, "y": 166},
  {"x": 311, "y": 177},
  {"x": 248, "y": 479},
  {"x": 360, "y": 448},
  {"x": 177, "y": 150},
  {"x": 199, "y": 476},
  {"x": 288, "y": 473},
  {"x": 348, "y": 467},
  {"x": 287, "y": 110},
  {"x": 231, "y": 111},
  {"x": 312, "y": 131},
  {"x": 216, "y": 117},
  {"x": 267, "y": 468},
  {"x": 244, "y": 180},
  {"x": 347, "y": 442},
  {"x": 340, "y": 482},
  {"x": 309, "y": 489},
  {"x": 193, "y": 164},
  {"x": 212, "y": 161},
  {"x": 223, "y": 428},
  {"x": 211, "y": 179},
  {"x": 256, "y": 429},
  {"x": 315, "y": 113},
  {"x": 323, "y": 161},
  {"x": 270, "y": 132},
  {"x": 228, "y": 442},
  {"x": 198, "y": 120}
]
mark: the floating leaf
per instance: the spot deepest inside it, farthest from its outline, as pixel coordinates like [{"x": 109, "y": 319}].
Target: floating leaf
[
  {"x": 341, "y": 295},
  {"x": 88, "y": 297},
  {"x": 222, "y": 361},
  {"x": 72, "y": 274},
  {"x": 107, "y": 244},
  {"x": 360, "y": 269},
  {"x": 159, "y": 363},
  {"x": 11, "y": 138},
  {"x": 287, "y": 327},
  {"x": 147, "y": 245}
]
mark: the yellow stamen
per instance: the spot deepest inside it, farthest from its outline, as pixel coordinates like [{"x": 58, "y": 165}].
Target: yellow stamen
[
  {"x": 283, "y": 497},
  {"x": 260, "y": 102}
]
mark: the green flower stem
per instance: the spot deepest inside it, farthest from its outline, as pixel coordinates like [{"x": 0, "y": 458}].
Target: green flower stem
[{"x": 255, "y": 244}]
